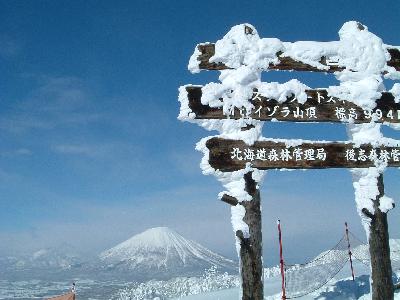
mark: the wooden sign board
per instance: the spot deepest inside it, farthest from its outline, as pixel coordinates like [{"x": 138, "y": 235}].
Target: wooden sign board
[
  {"x": 232, "y": 155},
  {"x": 207, "y": 50},
  {"x": 319, "y": 107}
]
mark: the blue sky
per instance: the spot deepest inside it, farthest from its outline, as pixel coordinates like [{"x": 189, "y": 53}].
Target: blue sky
[{"x": 91, "y": 151}]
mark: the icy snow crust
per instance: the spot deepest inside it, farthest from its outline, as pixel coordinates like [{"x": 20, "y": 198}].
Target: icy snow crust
[{"x": 364, "y": 59}]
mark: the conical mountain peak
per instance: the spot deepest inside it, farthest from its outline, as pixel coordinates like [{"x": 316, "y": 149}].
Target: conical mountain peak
[{"x": 162, "y": 250}]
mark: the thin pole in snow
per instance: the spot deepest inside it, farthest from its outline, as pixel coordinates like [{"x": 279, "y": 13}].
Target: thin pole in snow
[
  {"x": 350, "y": 254},
  {"x": 282, "y": 264}
]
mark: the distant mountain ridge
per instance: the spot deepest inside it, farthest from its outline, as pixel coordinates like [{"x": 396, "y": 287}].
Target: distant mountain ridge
[
  {"x": 157, "y": 253},
  {"x": 62, "y": 257},
  {"x": 45, "y": 263},
  {"x": 160, "y": 253}
]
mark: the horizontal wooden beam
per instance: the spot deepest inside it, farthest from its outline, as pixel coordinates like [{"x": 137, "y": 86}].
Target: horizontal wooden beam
[
  {"x": 285, "y": 62},
  {"x": 232, "y": 155},
  {"x": 230, "y": 200},
  {"x": 319, "y": 107}
]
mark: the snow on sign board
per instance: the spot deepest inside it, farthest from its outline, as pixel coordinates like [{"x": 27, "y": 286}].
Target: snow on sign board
[
  {"x": 232, "y": 155},
  {"x": 319, "y": 107},
  {"x": 296, "y": 56}
]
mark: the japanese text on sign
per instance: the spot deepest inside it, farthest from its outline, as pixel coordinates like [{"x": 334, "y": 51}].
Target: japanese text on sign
[{"x": 300, "y": 154}]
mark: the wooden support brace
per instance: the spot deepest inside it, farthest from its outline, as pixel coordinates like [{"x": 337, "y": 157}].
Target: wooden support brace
[
  {"x": 366, "y": 212},
  {"x": 230, "y": 200}
]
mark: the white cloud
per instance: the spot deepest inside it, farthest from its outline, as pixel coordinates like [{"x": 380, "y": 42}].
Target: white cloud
[
  {"x": 16, "y": 152},
  {"x": 6, "y": 176},
  {"x": 187, "y": 162},
  {"x": 8, "y": 47},
  {"x": 23, "y": 151},
  {"x": 74, "y": 149},
  {"x": 53, "y": 103}
]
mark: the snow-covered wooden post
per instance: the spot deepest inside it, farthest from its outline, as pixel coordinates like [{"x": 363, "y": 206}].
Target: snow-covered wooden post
[
  {"x": 251, "y": 246},
  {"x": 243, "y": 185},
  {"x": 238, "y": 106},
  {"x": 367, "y": 62},
  {"x": 382, "y": 284}
]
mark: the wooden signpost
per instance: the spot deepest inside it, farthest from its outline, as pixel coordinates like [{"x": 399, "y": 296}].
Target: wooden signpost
[
  {"x": 319, "y": 107},
  {"x": 231, "y": 155}
]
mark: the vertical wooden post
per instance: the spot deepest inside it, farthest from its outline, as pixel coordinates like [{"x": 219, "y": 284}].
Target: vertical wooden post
[
  {"x": 382, "y": 282},
  {"x": 251, "y": 247}
]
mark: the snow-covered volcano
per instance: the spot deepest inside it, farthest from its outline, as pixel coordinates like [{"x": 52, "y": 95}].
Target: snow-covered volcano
[{"x": 163, "y": 253}]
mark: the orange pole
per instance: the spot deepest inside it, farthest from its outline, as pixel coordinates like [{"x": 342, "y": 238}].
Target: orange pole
[
  {"x": 281, "y": 261},
  {"x": 350, "y": 254}
]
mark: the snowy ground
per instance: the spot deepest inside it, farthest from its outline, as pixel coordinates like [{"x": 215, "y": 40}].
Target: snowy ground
[{"x": 339, "y": 288}]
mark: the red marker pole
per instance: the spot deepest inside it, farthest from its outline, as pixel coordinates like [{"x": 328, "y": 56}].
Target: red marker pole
[
  {"x": 281, "y": 261},
  {"x": 350, "y": 254}
]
